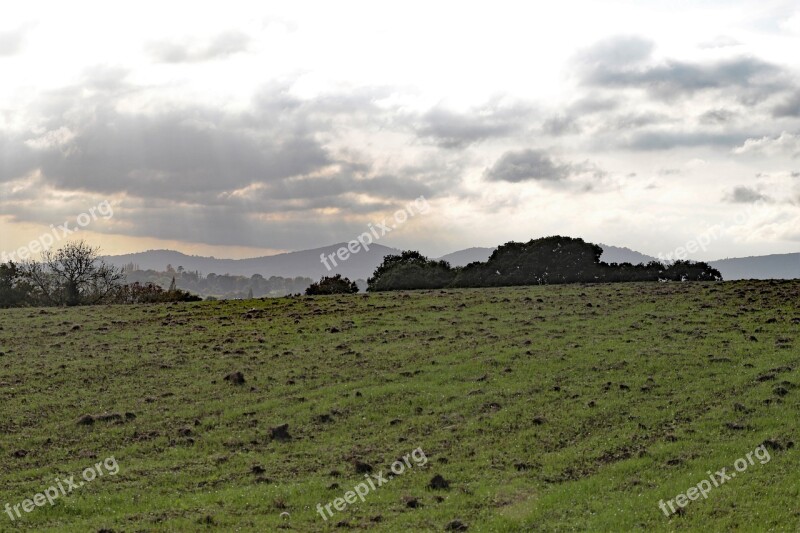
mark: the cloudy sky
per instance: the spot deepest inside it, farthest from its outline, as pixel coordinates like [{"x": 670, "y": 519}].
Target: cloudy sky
[{"x": 249, "y": 128}]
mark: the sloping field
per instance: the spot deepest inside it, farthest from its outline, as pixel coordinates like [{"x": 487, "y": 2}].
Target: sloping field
[{"x": 539, "y": 408}]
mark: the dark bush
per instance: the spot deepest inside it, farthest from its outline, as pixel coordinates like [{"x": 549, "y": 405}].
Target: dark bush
[
  {"x": 15, "y": 290},
  {"x": 137, "y": 293},
  {"x": 332, "y": 285},
  {"x": 410, "y": 270}
]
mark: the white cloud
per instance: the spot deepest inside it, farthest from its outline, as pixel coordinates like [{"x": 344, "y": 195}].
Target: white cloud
[
  {"x": 785, "y": 144},
  {"x": 720, "y": 41},
  {"x": 792, "y": 23}
]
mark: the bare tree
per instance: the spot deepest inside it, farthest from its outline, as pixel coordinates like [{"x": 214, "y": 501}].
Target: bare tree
[{"x": 73, "y": 275}]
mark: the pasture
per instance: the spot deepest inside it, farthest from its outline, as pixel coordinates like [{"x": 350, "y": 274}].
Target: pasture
[{"x": 575, "y": 407}]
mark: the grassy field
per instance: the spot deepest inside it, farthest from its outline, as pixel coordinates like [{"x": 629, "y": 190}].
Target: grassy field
[{"x": 541, "y": 408}]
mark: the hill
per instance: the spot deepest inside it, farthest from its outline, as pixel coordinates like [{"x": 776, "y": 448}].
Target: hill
[
  {"x": 470, "y": 255},
  {"x": 575, "y": 407},
  {"x": 617, "y": 254},
  {"x": 778, "y": 266},
  {"x": 304, "y": 263}
]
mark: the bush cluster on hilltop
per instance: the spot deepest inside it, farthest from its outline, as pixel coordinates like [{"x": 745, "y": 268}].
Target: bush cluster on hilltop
[{"x": 545, "y": 261}]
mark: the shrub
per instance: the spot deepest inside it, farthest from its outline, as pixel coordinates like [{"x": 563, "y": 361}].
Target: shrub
[
  {"x": 410, "y": 270},
  {"x": 332, "y": 285},
  {"x": 137, "y": 293},
  {"x": 15, "y": 291}
]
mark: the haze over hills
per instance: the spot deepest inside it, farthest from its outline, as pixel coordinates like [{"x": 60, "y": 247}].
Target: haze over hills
[
  {"x": 305, "y": 263},
  {"x": 465, "y": 257},
  {"x": 361, "y": 265},
  {"x": 618, "y": 254},
  {"x": 777, "y": 266}
]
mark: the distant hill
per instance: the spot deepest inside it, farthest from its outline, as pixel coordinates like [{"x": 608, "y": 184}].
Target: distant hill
[
  {"x": 304, "y": 263},
  {"x": 307, "y": 263},
  {"x": 617, "y": 254},
  {"x": 777, "y": 266},
  {"x": 465, "y": 257}
]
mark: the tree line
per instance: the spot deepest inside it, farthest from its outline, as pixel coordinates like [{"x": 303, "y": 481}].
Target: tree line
[
  {"x": 221, "y": 286},
  {"x": 76, "y": 275}
]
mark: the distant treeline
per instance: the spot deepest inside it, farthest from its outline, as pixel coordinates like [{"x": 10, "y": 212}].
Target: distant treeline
[
  {"x": 545, "y": 261},
  {"x": 222, "y": 286}
]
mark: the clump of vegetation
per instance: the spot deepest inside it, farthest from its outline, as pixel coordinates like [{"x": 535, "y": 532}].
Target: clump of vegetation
[
  {"x": 546, "y": 261},
  {"x": 76, "y": 275},
  {"x": 73, "y": 275},
  {"x": 332, "y": 285},
  {"x": 15, "y": 290},
  {"x": 410, "y": 270},
  {"x": 137, "y": 293}
]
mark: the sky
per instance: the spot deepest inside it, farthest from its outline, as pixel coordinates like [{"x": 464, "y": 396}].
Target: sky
[{"x": 242, "y": 129}]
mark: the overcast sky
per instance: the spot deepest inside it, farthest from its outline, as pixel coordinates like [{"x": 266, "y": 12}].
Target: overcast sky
[{"x": 249, "y": 128}]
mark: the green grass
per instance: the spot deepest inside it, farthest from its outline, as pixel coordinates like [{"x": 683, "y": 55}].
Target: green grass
[{"x": 543, "y": 412}]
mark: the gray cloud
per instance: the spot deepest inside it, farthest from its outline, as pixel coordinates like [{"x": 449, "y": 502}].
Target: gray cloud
[
  {"x": 569, "y": 121},
  {"x": 218, "y": 47},
  {"x": 347, "y": 182},
  {"x": 261, "y": 177},
  {"x": 13, "y": 160},
  {"x": 564, "y": 124},
  {"x": 180, "y": 154},
  {"x": 625, "y": 63},
  {"x": 676, "y": 77},
  {"x": 633, "y": 121},
  {"x": 526, "y": 165},
  {"x": 592, "y": 104},
  {"x": 649, "y": 119},
  {"x": 227, "y": 225},
  {"x": 717, "y": 116},
  {"x": 456, "y": 130},
  {"x": 188, "y": 153},
  {"x": 790, "y": 107},
  {"x": 666, "y": 140},
  {"x": 608, "y": 123},
  {"x": 745, "y": 195}
]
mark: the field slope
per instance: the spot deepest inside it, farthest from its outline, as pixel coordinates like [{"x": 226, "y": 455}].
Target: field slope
[{"x": 573, "y": 407}]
